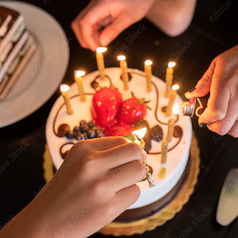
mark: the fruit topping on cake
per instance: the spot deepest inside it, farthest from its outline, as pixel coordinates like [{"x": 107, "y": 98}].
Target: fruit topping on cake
[{"x": 106, "y": 105}]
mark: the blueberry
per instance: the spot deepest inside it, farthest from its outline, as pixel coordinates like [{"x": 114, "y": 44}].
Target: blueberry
[
  {"x": 69, "y": 134},
  {"x": 91, "y": 134},
  {"x": 91, "y": 123}
]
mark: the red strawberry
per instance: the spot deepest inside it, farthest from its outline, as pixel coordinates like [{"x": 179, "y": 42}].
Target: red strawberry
[
  {"x": 106, "y": 105},
  {"x": 119, "y": 130},
  {"x": 132, "y": 110}
]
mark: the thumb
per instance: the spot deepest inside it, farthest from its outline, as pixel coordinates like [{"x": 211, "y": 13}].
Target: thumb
[
  {"x": 113, "y": 30},
  {"x": 203, "y": 86}
]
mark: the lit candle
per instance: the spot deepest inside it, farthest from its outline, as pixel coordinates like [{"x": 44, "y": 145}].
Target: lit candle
[
  {"x": 170, "y": 132},
  {"x": 100, "y": 61},
  {"x": 148, "y": 73},
  {"x": 64, "y": 91},
  {"x": 164, "y": 150},
  {"x": 124, "y": 73},
  {"x": 138, "y": 135},
  {"x": 169, "y": 78},
  {"x": 78, "y": 76},
  {"x": 172, "y": 96}
]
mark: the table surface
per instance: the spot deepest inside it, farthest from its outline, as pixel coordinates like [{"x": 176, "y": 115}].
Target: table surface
[{"x": 193, "y": 52}]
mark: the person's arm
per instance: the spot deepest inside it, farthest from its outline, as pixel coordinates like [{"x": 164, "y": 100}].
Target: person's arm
[
  {"x": 87, "y": 192},
  {"x": 172, "y": 16},
  {"x": 221, "y": 80}
]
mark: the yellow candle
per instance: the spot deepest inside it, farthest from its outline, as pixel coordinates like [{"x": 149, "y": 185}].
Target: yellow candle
[
  {"x": 100, "y": 61},
  {"x": 124, "y": 73},
  {"x": 148, "y": 73},
  {"x": 169, "y": 78},
  {"x": 164, "y": 150},
  {"x": 64, "y": 91},
  {"x": 172, "y": 96},
  {"x": 170, "y": 129},
  {"x": 78, "y": 76}
]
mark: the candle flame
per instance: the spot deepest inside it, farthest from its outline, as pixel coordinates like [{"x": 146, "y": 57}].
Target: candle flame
[
  {"x": 175, "y": 87},
  {"x": 101, "y": 49},
  {"x": 171, "y": 64},
  {"x": 121, "y": 57},
  {"x": 79, "y": 73},
  {"x": 148, "y": 62},
  {"x": 175, "y": 109},
  {"x": 139, "y": 134},
  {"x": 64, "y": 88}
]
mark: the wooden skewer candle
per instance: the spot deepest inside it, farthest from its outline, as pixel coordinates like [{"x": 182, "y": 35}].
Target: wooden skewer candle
[
  {"x": 64, "y": 91},
  {"x": 164, "y": 150},
  {"x": 78, "y": 76},
  {"x": 148, "y": 73},
  {"x": 169, "y": 78},
  {"x": 100, "y": 61},
  {"x": 172, "y": 96},
  {"x": 124, "y": 73}
]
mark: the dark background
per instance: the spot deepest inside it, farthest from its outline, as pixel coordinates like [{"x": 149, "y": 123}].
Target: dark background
[{"x": 208, "y": 37}]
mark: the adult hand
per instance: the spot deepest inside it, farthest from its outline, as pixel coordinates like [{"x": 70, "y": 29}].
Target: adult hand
[
  {"x": 95, "y": 183},
  {"x": 221, "y": 80},
  {"x": 103, "y": 20}
]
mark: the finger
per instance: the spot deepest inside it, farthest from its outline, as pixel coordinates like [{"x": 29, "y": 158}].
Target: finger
[
  {"x": 113, "y": 30},
  {"x": 122, "y": 154},
  {"x": 234, "y": 130},
  {"x": 126, "y": 175},
  {"x": 107, "y": 143},
  {"x": 93, "y": 22},
  {"x": 225, "y": 125},
  {"x": 224, "y": 93},
  {"x": 76, "y": 24},
  {"x": 125, "y": 197},
  {"x": 203, "y": 86}
]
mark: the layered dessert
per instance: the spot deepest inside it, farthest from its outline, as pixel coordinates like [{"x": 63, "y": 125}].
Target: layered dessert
[
  {"x": 16, "y": 48},
  {"x": 63, "y": 130}
]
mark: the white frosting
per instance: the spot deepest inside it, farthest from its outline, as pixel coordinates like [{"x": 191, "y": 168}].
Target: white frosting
[
  {"x": 8, "y": 37},
  {"x": 18, "y": 32},
  {"x": 5, "y": 51},
  {"x": 4, "y": 27},
  {"x": 13, "y": 54},
  {"x": 177, "y": 157},
  {"x": 11, "y": 81}
]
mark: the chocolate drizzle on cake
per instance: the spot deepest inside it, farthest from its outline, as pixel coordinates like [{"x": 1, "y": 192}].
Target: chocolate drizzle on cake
[
  {"x": 64, "y": 154},
  {"x": 96, "y": 85},
  {"x": 129, "y": 77},
  {"x": 57, "y": 113},
  {"x": 178, "y": 132},
  {"x": 62, "y": 130}
]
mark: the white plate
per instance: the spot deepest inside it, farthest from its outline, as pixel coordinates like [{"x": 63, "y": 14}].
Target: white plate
[{"x": 45, "y": 70}]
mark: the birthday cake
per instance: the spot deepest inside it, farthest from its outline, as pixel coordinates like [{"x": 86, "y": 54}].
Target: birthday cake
[
  {"x": 16, "y": 48},
  {"x": 60, "y": 124}
]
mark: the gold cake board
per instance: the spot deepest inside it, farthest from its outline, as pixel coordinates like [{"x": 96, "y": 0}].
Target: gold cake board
[{"x": 149, "y": 223}]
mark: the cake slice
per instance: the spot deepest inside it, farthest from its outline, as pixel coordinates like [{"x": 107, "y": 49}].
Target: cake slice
[{"x": 16, "y": 48}]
